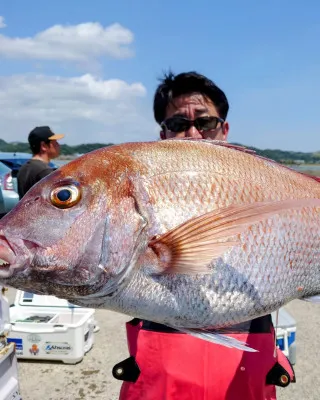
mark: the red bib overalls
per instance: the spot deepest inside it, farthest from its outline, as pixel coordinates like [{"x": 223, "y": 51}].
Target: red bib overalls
[{"x": 175, "y": 366}]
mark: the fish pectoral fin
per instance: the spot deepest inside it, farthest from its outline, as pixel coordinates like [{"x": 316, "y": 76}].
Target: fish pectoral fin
[
  {"x": 193, "y": 245},
  {"x": 218, "y": 338}
]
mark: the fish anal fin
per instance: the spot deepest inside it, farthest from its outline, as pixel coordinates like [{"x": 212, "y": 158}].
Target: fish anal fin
[
  {"x": 218, "y": 338},
  {"x": 312, "y": 299}
]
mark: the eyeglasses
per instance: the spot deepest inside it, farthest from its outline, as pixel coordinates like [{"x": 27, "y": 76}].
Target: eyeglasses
[{"x": 181, "y": 124}]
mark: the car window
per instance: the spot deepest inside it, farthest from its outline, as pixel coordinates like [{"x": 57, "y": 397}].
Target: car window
[{"x": 4, "y": 169}]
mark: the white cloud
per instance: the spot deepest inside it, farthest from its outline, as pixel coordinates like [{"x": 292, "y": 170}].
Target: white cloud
[
  {"x": 2, "y": 24},
  {"x": 74, "y": 43},
  {"x": 87, "y": 109}
]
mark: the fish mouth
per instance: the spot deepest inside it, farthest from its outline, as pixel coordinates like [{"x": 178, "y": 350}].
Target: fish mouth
[{"x": 9, "y": 264}]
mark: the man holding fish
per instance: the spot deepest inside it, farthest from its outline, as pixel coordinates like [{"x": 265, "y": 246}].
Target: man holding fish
[
  {"x": 166, "y": 363},
  {"x": 201, "y": 237}
]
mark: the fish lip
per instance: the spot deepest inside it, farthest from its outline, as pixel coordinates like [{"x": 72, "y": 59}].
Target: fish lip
[{"x": 9, "y": 263}]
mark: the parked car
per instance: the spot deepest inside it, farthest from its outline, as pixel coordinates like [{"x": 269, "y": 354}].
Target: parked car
[
  {"x": 14, "y": 161},
  {"x": 8, "y": 195}
]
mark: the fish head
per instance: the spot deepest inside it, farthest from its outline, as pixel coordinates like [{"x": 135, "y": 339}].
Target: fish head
[{"x": 74, "y": 233}]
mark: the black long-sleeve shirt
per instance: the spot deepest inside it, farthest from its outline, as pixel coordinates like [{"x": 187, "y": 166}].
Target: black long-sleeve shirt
[{"x": 30, "y": 173}]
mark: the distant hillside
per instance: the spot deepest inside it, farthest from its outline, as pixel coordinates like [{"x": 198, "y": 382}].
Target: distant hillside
[
  {"x": 65, "y": 149},
  {"x": 288, "y": 157}
]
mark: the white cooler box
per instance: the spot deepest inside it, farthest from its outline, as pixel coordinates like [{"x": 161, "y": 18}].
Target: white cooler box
[
  {"x": 9, "y": 385},
  {"x": 286, "y": 334},
  {"x": 48, "y": 328}
]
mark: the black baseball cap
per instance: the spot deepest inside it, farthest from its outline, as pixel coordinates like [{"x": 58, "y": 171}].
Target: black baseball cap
[{"x": 42, "y": 134}]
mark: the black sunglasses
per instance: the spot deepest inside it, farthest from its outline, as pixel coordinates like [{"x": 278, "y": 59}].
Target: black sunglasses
[{"x": 181, "y": 124}]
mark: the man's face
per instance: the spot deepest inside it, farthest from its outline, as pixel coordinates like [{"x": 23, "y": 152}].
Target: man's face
[
  {"x": 191, "y": 107},
  {"x": 53, "y": 149}
]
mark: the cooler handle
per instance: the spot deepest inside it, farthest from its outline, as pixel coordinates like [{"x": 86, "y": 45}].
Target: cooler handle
[{"x": 53, "y": 329}]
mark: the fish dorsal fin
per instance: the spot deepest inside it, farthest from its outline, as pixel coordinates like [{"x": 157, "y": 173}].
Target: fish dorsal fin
[
  {"x": 238, "y": 147},
  {"x": 249, "y": 151},
  {"x": 316, "y": 178},
  {"x": 218, "y": 143},
  {"x": 193, "y": 245}
]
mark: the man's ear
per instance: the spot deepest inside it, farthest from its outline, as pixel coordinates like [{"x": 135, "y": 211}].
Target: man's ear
[
  {"x": 162, "y": 135},
  {"x": 43, "y": 147},
  {"x": 225, "y": 130}
]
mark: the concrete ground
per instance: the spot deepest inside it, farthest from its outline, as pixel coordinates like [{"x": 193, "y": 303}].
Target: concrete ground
[{"x": 92, "y": 378}]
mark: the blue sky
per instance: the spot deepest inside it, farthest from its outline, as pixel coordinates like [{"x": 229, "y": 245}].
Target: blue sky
[{"x": 264, "y": 55}]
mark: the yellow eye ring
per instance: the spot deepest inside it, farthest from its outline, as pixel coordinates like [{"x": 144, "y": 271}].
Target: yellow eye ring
[{"x": 65, "y": 196}]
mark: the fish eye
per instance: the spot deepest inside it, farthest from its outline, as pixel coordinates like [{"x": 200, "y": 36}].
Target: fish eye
[{"x": 65, "y": 196}]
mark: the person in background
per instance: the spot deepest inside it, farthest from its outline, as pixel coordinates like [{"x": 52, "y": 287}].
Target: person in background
[
  {"x": 45, "y": 147},
  {"x": 165, "y": 364}
]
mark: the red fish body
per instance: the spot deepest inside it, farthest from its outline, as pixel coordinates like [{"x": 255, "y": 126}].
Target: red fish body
[{"x": 193, "y": 234}]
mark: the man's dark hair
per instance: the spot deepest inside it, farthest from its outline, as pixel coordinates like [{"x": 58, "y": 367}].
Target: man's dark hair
[
  {"x": 35, "y": 147},
  {"x": 172, "y": 86}
]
